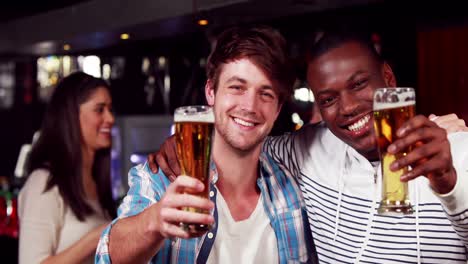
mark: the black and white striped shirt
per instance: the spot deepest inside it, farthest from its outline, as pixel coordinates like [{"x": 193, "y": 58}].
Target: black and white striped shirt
[{"x": 341, "y": 197}]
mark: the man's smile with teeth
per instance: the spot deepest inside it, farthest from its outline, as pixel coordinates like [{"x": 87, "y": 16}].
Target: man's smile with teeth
[
  {"x": 243, "y": 122},
  {"x": 360, "y": 123}
]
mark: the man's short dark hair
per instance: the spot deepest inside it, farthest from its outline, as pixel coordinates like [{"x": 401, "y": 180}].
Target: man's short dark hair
[
  {"x": 332, "y": 39},
  {"x": 264, "y": 46}
]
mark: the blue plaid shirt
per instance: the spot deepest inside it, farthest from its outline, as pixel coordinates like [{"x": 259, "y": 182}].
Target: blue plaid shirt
[{"x": 283, "y": 203}]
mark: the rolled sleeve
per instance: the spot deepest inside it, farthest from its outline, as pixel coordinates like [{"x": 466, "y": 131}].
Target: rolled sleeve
[
  {"x": 102, "y": 252},
  {"x": 456, "y": 201},
  {"x": 145, "y": 188}
]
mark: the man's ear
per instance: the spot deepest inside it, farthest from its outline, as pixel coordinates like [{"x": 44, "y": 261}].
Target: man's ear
[
  {"x": 388, "y": 75},
  {"x": 209, "y": 92}
]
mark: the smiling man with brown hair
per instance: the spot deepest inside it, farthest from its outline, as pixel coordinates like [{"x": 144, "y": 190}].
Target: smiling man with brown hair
[{"x": 259, "y": 212}]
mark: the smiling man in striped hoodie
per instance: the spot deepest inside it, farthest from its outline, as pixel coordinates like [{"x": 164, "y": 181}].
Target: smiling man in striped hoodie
[{"x": 338, "y": 163}]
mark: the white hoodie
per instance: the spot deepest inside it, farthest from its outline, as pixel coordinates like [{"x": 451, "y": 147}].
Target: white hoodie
[{"x": 341, "y": 195}]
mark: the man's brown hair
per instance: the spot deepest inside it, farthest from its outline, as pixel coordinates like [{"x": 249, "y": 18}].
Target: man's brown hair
[{"x": 264, "y": 46}]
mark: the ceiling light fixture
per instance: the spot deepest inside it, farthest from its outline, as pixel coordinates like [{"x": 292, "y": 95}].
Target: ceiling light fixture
[
  {"x": 202, "y": 22},
  {"x": 124, "y": 36}
]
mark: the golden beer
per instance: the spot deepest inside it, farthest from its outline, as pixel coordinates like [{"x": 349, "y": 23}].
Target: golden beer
[
  {"x": 193, "y": 131},
  {"x": 392, "y": 108}
]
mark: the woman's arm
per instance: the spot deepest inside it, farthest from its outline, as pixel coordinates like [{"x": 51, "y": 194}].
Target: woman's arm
[{"x": 80, "y": 250}]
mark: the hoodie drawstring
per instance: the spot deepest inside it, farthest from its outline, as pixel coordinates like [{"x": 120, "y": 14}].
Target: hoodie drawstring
[
  {"x": 372, "y": 210},
  {"x": 340, "y": 195},
  {"x": 415, "y": 190}
]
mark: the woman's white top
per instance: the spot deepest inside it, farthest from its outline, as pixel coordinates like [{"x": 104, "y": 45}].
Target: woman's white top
[{"x": 47, "y": 225}]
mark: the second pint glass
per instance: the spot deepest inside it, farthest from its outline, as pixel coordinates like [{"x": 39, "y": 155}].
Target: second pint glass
[
  {"x": 193, "y": 131},
  {"x": 392, "y": 108}
]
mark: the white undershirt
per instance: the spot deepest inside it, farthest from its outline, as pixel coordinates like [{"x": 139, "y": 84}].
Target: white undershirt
[{"x": 248, "y": 241}]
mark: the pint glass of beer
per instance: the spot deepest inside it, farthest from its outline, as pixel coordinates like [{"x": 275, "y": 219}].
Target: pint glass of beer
[
  {"x": 193, "y": 131},
  {"x": 392, "y": 108}
]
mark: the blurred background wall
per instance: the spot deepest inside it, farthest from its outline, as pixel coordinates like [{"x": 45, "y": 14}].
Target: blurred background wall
[{"x": 153, "y": 54}]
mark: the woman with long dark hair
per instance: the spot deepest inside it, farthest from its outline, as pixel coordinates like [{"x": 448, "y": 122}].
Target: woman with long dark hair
[{"x": 67, "y": 200}]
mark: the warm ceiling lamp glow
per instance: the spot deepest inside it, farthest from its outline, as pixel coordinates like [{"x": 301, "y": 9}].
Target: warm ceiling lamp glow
[
  {"x": 66, "y": 47},
  {"x": 124, "y": 36},
  {"x": 202, "y": 22}
]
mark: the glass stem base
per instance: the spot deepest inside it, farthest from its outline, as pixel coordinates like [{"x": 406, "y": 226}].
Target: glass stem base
[
  {"x": 195, "y": 229},
  {"x": 387, "y": 208}
]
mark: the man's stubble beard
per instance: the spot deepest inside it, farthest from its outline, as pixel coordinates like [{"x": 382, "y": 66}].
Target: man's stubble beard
[{"x": 230, "y": 139}]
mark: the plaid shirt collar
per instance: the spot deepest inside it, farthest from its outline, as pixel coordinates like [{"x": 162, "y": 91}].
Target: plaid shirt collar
[{"x": 284, "y": 206}]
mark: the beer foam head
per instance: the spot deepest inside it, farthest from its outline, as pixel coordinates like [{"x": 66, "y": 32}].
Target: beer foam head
[
  {"x": 382, "y": 106},
  {"x": 385, "y": 98},
  {"x": 195, "y": 113}
]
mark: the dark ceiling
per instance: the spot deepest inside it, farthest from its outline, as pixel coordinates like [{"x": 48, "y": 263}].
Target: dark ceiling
[
  {"x": 43, "y": 27},
  {"x": 10, "y": 10}
]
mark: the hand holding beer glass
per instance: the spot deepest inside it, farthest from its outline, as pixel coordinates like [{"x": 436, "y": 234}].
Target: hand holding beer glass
[
  {"x": 392, "y": 108},
  {"x": 194, "y": 127}
]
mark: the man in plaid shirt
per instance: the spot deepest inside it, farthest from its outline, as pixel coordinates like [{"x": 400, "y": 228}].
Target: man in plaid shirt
[{"x": 259, "y": 212}]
